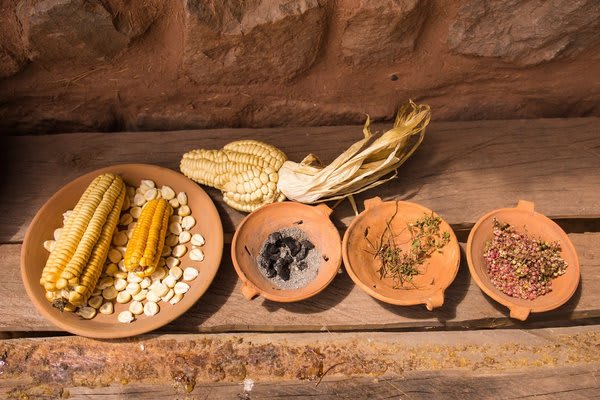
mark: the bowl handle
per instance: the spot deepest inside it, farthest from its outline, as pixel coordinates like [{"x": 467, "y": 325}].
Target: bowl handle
[
  {"x": 249, "y": 291},
  {"x": 525, "y": 205},
  {"x": 520, "y": 313},
  {"x": 369, "y": 203},
  {"x": 435, "y": 300},
  {"x": 324, "y": 209}
]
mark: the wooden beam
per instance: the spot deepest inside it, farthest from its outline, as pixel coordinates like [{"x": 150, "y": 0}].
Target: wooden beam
[
  {"x": 462, "y": 170},
  {"x": 342, "y": 306}
]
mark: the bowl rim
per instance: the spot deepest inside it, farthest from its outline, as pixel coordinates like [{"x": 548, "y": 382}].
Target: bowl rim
[
  {"x": 519, "y": 311},
  {"x": 428, "y": 299},
  {"x": 249, "y": 289},
  {"x": 131, "y": 330}
]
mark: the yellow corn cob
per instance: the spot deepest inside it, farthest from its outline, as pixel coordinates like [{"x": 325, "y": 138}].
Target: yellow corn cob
[
  {"x": 75, "y": 264},
  {"x": 245, "y": 171},
  {"x": 148, "y": 238}
]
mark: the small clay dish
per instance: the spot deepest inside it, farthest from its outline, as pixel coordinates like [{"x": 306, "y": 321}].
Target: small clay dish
[
  {"x": 49, "y": 217},
  {"x": 438, "y": 271},
  {"x": 250, "y": 236},
  {"x": 524, "y": 219}
]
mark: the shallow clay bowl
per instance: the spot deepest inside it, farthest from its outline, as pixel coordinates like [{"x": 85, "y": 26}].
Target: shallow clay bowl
[
  {"x": 523, "y": 218},
  {"x": 49, "y": 217},
  {"x": 438, "y": 272},
  {"x": 257, "y": 226}
]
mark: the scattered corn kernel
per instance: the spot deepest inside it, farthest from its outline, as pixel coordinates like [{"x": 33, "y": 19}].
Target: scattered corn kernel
[
  {"x": 179, "y": 250},
  {"x": 122, "y": 268},
  {"x": 133, "y": 288},
  {"x": 49, "y": 245},
  {"x": 123, "y": 297},
  {"x": 125, "y": 317},
  {"x": 120, "y": 275},
  {"x": 87, "y": 312},
  {"x": 57, "y": 233},
  {"x": 133, "y": 277},
  {"x": 175, "y": 228},
  {"x": 176, "y": 298},
  {"x": 166, "y": 251},
  {"x": 126, "y": 203},
  {"x": 190, "y": 273},
  {"x": 172, "y": 240},
  {"x": 135, "y": 212},
  {"x": 136, "y": 307},
  {"x": 111, "y": 269},
  {"x": 159, "y": 289},
  {"x": 139, "y": 200},
  {"x": 151, "y": 194},
  {"x": 120, "y": 239},
  {"x": 141, "y": 296},
  {"x": 167, "y": 193},
  {"x": 198, "y": 240},
  {"x": 185, "y": 236},
  {"x": 146, "y": 282},
  {"x": 196, "y": 255},
  {"x": 182, "y": 198},
  {"x": 181, "y": 287},
  {"x": 151, "y": 308},
  {"x": 176, "y": 272},
  {"x": 126, "y": 219},
  {"x": 107, "y": 308},
  {"x": 114, "y": 256},
  {"x": 174, "y": 203},
  {"x": 188, "y": 222},
  {"x": 152, "y": 296},
  {"x": 168, "y": 296},
  {"x": 158, "y": 274},
  {"x": 172, "y": 262},
  {"x": 175, "y": 218},
  {"x": 184, "y": 211},
  {"x": 120, "y": 284},
  {"x": 105, "y": 282},
  {"x": 95, "y": 301},
  {"x": 169, "y": 281},
  {"x": 148, "y": 183},
  {"x": 110, "y": 293}
]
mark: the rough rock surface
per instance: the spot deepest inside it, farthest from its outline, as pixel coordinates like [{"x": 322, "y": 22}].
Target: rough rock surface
[
  {"x": 67, "y": 30},
  {"x": 232, "y": 41},
  {"x": 113, "y": 65},
  {"x": 525, "y": 32},
  {"x": 382, "y": 30}
]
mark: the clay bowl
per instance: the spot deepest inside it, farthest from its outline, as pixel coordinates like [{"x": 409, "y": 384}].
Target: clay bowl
[
  {"x": 49, "y": 217},
  {"x": 256, "y": 227},
  {"x": 439, "y": 271},
  {"x": 523, "y": 217}
]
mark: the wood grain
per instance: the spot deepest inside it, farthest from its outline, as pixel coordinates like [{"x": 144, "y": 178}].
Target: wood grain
[
  {"x": 342, "y": 306},
  {"x": 462, "y": 170},
  {"x": 562, "y": 362}
]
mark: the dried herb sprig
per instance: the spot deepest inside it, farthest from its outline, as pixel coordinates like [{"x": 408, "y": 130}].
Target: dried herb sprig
[{"x": 402, "y": 265}]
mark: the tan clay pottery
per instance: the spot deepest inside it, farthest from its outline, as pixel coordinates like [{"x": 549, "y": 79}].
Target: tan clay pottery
[
  {"x": 439, "y": 271},
  {"x": 49, "y": 217},
  {"x": 537, "y": 225},
  {"x": 257, "y": 226}
]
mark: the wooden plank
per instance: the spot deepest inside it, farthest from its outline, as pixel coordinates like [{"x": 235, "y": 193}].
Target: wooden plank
[
  {"x": 342, "y": 306},
  {"x": 563, "y": 363},
  {"x": 462, "y": 170}
]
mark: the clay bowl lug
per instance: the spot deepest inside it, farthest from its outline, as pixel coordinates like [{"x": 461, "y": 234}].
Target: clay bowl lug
[
  {"x": 257, "y": 226},
  {"x": 537, "y": 225},
  {"x": 440, "y": 270}
]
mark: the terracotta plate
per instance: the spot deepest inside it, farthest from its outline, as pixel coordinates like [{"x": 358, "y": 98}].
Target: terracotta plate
[
  {"x": 257, "y": 226},
  {"x": 439, "y": 271},
  {"x": 49, "y": 217},
  {"x": 537, "y": 225}
]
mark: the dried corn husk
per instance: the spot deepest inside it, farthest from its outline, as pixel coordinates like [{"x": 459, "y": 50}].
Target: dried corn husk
[{"x": 364, "y": 165}]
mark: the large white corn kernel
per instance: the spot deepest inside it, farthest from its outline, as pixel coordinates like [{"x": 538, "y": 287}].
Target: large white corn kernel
[
  {"x": 130, "y": 191},
  {"x": 172, "y": 262},
  {"x": 110, "y": 293},
  {"x": 121, "y": 275},
  {"x": 139, "y": 200},
  {"x": 95, "y": 301},
  {"x": 174, "y": 203},
  {"x": 114, "y": 255},
  {"x": 198, "y": 240},
  {"x": 181, "y": 288},
  {"x": 123, "y": 297},
  {"x": 168, "y": 296},
  {"x": 152, "y": 296},
  {"x": 169, "y": 281},
  {"x": 176, "y": 298},
  {"x": 148, "y": 183},
  {"x": 185, "y": 236},
  {"x": 120, "y": 284},
  {"x": 141, "y": 296},
  {"x": 167, "y": 193},
  {"x": 188, "y": 222},
  {"x": 145, "y": 282},
  {"x": 122, "y": 267},
  {"x": 135, "y": 213},
  {"x": 172, "y": 240},
  {"x": 184, "y": 211},
  {"x": 151, "y": 194},
  {"x": 96, "y": 292},
  {"x": 151, "y": 308},
  {"x": 107, "y": 308},
  {"x": 176, "y": 272},
  {"x": 158, "y": 274},
  {"x": 122, "y": 250},
  {"x": 111, "y": 269},
  {"x": 189, "y": 274},
  {"x": 126, "y": 219},
  {"x": 105, "y": 282},
  {"x": 166, "y": 251},
  {"x": 125, "y": 317},
  {"x": 120, "y": 239},
  {"x": 182, "y": 198},
  {"x": 175, "y": 228},
  {"x": 196, "y": 255},
  {"x": 136, "y": 307},
  {"x": 132, "y": 277},
  {"x": 49, "y": 245},
  {"x": 179, "y": 250},
  {"x": 87, "y": 312},
  {"x": 66, "y": 216},
  {"x": 161, "y": 262},
  {"x": 133, "y": 288},
  {"x": 159, "y": 289}
]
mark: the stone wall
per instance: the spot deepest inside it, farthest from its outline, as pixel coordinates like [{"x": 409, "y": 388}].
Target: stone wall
[{"x": 86, "y": 65}]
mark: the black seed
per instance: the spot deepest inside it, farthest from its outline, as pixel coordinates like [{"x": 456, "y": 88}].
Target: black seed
[
  {"x": 292, "y": 244},
  {"x": 302, "y": 253},
  {"x": 308, "y": 244},
  {"x": 394, "y": 77},
  {"x": 271, "y": 272},
  {"x": 283, "y": 269},
  {"x": 272, "y": 249},
  {"x": 274, "y": 237}
]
